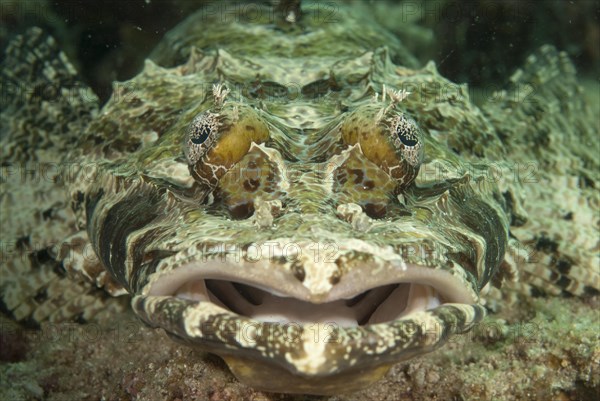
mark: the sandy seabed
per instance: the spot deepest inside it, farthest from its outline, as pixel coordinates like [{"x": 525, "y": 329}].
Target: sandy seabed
[{"x": 546, "y": 350}]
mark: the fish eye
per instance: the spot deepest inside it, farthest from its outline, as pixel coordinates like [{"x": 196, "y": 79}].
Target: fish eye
[
  {"x": 217, "y": 140},
  {"x": 407, "y": 139},
  {"x": 391, "y": 140},
  {"x": 200, "y": 135}
]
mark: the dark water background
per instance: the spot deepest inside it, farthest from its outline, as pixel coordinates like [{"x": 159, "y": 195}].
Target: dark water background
[{"x": 477, "y": 42}]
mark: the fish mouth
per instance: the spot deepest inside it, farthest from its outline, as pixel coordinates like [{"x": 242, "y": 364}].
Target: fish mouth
[
  {"x": 281, "y": 333},
  {"x": 353, "y": 302},
  {"x": 373, "y": 306}
]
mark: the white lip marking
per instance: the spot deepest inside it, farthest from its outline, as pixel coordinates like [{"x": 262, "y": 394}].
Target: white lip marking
[{"x": 314, "y": 344}]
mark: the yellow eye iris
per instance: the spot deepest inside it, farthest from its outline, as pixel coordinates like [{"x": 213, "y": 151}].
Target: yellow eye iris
[
  {"x": 217, "y": 141},
  {"x": 393, "y": 142}
]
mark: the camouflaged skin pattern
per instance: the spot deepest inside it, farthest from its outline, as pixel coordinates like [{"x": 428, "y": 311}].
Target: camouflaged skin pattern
[
  {"x": 45, "y": 107},
  {"x": 504, "y": 192}
]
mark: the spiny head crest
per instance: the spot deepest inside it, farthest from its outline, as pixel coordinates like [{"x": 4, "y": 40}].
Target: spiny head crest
[
  {"x": 219, "y": 93},
  {"x": 395, "y": 97}
]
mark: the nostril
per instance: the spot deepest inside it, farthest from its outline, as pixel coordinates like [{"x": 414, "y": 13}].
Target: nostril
[
  {"x": 375, "y": 210},
  {"x": 298, "y": 271},
  {"x": 368, "y": 185}
]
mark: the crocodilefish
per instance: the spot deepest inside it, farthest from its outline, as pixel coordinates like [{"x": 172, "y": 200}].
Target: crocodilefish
[{"x": 296, "y": 195}]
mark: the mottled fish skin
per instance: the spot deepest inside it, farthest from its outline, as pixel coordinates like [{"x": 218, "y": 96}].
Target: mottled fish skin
[{"x": 294, "y": 162}]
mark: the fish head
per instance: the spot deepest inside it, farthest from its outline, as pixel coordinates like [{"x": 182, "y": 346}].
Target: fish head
[{"x": 308, "y": 219}]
